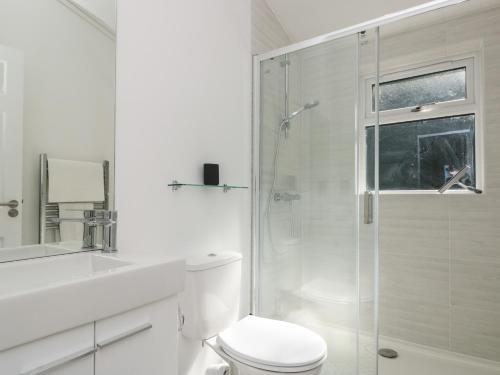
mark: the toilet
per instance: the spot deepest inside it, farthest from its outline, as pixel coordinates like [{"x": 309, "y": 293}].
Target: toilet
[{"x": 209, "y": 309}]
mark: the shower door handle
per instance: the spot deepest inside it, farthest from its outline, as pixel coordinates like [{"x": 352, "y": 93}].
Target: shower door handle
[{"x": 368, "y": 208}]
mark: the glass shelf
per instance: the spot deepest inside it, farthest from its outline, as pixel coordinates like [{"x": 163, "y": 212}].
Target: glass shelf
[{"x": 176, "y": 185}]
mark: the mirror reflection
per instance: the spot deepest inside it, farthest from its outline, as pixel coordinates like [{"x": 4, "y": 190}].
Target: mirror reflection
[{"x": 57, "y": 99}]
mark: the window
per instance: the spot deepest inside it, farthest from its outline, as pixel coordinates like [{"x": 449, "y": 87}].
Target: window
[
  {"x": 428, "y": 127},
  {"x": 427, "y": 89}
]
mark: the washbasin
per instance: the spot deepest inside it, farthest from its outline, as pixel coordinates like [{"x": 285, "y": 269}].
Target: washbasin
[
  {"x": 31, "y": 251},
  {"x": 40, "y": 251},
  {"x": 22, "y": 276},
  {"x": 43, "y": 296}
]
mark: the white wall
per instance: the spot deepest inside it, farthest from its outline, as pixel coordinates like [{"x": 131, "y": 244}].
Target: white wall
[
  {"x": 184, "y": 98},
  {"x": 68, "y": 93}
]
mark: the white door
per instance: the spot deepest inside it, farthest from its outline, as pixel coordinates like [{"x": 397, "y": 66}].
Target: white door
[
  {"x": 11, "y": 145},
  {"x": 140, "y": 341},
  {"x": 67, "y": 353}
]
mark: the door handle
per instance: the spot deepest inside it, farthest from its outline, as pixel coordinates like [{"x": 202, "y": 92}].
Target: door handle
[
  {"x": 12, "y": 204},
  {"x": 124, "y": 335},
  {"x": 49, "y": 367},
  {"x": 368, "y": 208}
]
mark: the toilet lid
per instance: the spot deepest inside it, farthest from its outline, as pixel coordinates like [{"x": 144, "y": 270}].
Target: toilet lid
[{"x": 272, "y": 343}]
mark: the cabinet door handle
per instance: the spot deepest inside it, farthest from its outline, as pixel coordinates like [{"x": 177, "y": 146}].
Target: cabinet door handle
[
  {"x": 124, "y": 335},
  {"x": 44, "y": 369}
]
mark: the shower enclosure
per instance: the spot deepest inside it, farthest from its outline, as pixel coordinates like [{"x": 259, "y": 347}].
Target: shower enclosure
[
  {"x": 394, "y": 105},
  {"x": 316, "y": 223}
]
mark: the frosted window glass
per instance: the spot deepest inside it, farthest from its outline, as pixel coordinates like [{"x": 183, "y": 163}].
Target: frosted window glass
[
  {"x": 424, "y": 89},
  {"x": 420, "y": 155}
]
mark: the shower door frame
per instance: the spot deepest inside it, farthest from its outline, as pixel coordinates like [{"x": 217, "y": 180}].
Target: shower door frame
[{"x": 373, "y": 24}]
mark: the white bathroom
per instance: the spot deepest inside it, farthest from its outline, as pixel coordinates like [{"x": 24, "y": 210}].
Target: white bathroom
[{"x": 249, "y": 187}]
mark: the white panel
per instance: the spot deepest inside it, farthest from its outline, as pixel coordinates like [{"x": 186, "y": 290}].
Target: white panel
[
  {"x": 50, "y": 350},
  {"x": 152, "y": 351},
  {"x": 183, "y": 99}
]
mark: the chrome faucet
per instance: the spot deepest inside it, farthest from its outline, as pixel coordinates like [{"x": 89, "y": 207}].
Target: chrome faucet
[{"x": 92, "y": 219}]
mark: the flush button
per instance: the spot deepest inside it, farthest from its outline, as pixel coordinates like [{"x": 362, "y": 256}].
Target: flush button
[{"x": 212, "y": 255}]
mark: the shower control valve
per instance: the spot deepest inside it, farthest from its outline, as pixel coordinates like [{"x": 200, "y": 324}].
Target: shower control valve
[{"x": 286, "y": 197}]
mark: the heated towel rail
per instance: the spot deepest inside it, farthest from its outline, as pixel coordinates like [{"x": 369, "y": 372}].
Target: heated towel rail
[{"x": 50, "y": 210}]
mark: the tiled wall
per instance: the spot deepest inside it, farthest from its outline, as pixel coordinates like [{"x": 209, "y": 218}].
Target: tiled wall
[{"x": 440, "y": 254}]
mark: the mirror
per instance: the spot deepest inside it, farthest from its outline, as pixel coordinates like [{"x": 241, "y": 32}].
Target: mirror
[{"x": 57, "y": 110}]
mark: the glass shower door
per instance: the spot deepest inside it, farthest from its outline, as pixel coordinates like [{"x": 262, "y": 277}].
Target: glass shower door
[{"x": 315, "y": 253}]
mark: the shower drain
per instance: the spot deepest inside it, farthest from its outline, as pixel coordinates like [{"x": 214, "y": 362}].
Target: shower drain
[{"x": 387, "y": 353}]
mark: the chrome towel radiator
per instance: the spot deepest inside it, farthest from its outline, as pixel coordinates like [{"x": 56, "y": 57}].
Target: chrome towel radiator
[{"x": 50, "y": 211}]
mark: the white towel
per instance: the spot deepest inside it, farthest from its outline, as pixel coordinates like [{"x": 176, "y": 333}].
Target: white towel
[
  {"x": 75, "y": 181},
  {"x": 70, "y": 230}
]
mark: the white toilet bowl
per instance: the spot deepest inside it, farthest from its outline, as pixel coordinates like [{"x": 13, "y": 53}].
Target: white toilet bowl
[
  {"x": 259, "y": 346},
  {"x": 252, "y": 345}
]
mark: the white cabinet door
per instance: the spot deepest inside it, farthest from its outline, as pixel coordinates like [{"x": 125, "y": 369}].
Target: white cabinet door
[
  {"x": 140, "y": 341},
  {"x": 11, "y": 144},
  {"x": 66, "y": 353}
]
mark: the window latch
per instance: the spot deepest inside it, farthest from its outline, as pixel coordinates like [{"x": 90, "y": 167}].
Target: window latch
[{"x": 423, "y": 107}]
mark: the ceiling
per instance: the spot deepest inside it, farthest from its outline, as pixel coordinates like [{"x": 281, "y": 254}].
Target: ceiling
[
  {"x": 103, "y": 11},
  {"x": 304, "y": 19}
]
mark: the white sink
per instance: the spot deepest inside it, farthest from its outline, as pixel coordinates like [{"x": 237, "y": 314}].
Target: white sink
[
  {"x": 39, "y": 297},
  {"x": 31, "y": 251},
  {"x": 39, "y": 251},
  {"x": 23, "y": 276}
]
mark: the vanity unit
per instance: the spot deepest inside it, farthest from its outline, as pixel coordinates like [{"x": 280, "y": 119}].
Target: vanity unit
[{"x": 83, "y": 314}]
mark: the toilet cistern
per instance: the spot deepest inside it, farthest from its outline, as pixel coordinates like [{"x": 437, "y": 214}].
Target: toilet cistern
[{"x": 252, "y": 345}]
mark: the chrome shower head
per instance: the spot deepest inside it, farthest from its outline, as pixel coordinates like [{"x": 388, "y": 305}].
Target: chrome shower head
[
  {"x": 311, "y": 104},
  {"x": 305, "y": 107}
]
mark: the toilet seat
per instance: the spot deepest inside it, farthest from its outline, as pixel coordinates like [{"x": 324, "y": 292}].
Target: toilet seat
[{"x": 273, "y": 345}]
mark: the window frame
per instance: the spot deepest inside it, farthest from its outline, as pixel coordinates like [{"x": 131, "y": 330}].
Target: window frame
[{"x": 470, "y": 105}]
